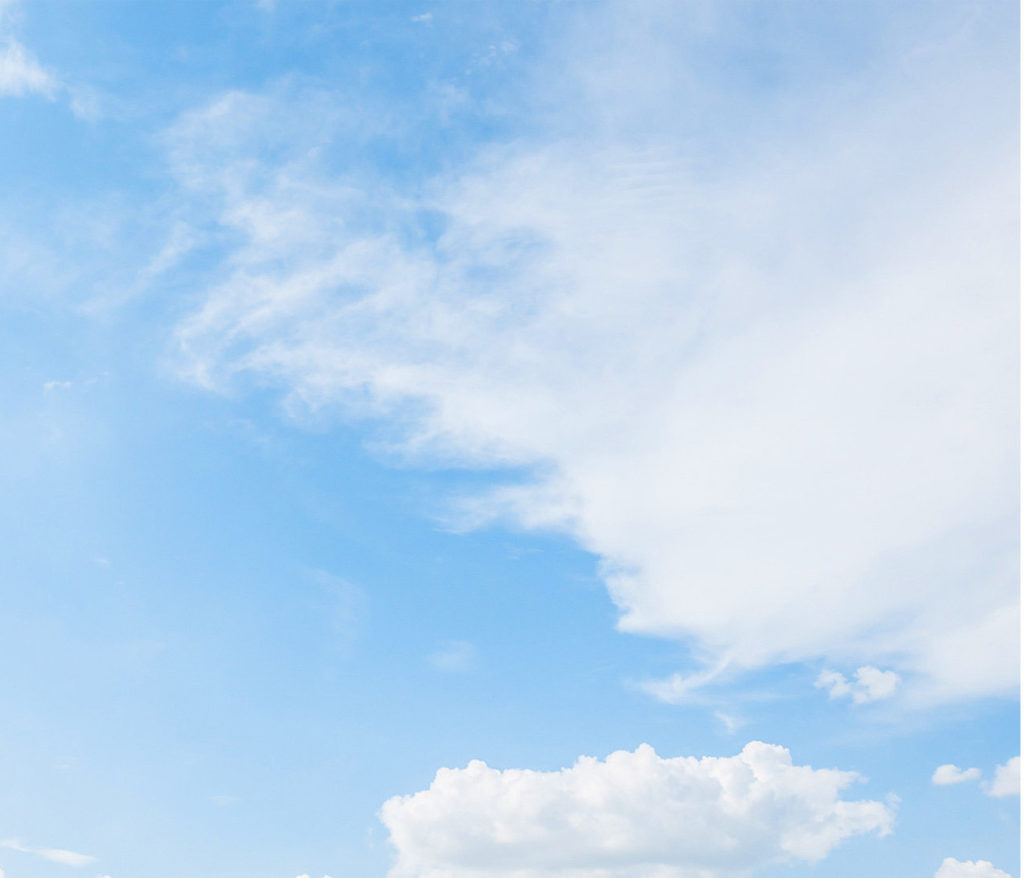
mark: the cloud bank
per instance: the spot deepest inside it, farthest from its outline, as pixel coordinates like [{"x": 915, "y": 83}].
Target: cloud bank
[
  {"x": 631, "y": 815},
  {"x": 768, "y": 378}
]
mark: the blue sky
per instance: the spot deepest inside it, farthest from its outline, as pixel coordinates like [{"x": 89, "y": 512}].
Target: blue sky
[{"x": 391, "y": 388}]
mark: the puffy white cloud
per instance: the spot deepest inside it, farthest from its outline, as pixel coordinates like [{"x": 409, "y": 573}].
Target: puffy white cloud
[
  {"x": 633, "y": 814},
  {"x": 946, "y": 775},
  {"x": 952, "y": 868},
  {"x": 869, "y": 684},
  {"x": 772, "y": 388},
  {"x": 1007, "y": 779}
]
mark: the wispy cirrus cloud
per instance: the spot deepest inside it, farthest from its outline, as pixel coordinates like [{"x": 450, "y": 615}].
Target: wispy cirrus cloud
[
  {"x": 21, "y": 73},
  {"x": 769, "y": 383},
  {"x": 54, "y": 855}
]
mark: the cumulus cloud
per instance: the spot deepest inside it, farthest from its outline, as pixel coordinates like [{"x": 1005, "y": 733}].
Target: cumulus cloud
[
  {"x": 631, "y": 815},
  {"x": 946, "y": 775},
  {"x": 767, "y": 379},
  {"x": 1007, "y": 779},
  {"x": 869, "y": 684},
  {"x": 952, "y": 868}
]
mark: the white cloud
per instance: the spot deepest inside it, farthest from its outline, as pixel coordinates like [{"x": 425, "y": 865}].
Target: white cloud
[
  {"x": 952, "y": 868},
  {"x": 1007, "y": 779},
  {"x": 456, "y": 655},
  {"x": 946, "y": 775},
  {"x": 22, "y": 74},
  {"x": 65, "y": 858},
  {"x": 767, "y": 378},
  {"x": 633, "y": 814},
  {"x": 54, "y": 855},
  {"x": 732, "y": 724},
  {"x": 869, "y": 684}
]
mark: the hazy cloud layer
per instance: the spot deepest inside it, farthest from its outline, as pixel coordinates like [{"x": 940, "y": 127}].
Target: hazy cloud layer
[
  {"x": 768, "y": 382},
  {"x": 631, "y": 815}
]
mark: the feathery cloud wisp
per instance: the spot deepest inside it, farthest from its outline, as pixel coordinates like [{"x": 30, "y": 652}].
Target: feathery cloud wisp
[{"x": 772, "y": 389}]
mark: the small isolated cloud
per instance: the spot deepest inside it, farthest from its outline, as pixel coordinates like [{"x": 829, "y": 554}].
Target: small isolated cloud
[
  {"x": 869, "y": 684},
  {"x": 426, "y": 18},
  {"x": 65, "y": 858},
  {"x": 223, "y": 801},
  {"x": 57, "y": 385},
  {"x": 947, "y": 775},
  {"x": 1007, "y": 779},
  {"x": 678, "y": 688},
  {"x": 632, "y": 815},
  {"x": 455, "y": 655},
  {"x": 54, "y": 855},
  {"x": 731, "y": 723},
  {"x": 951, "y": 868}
]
